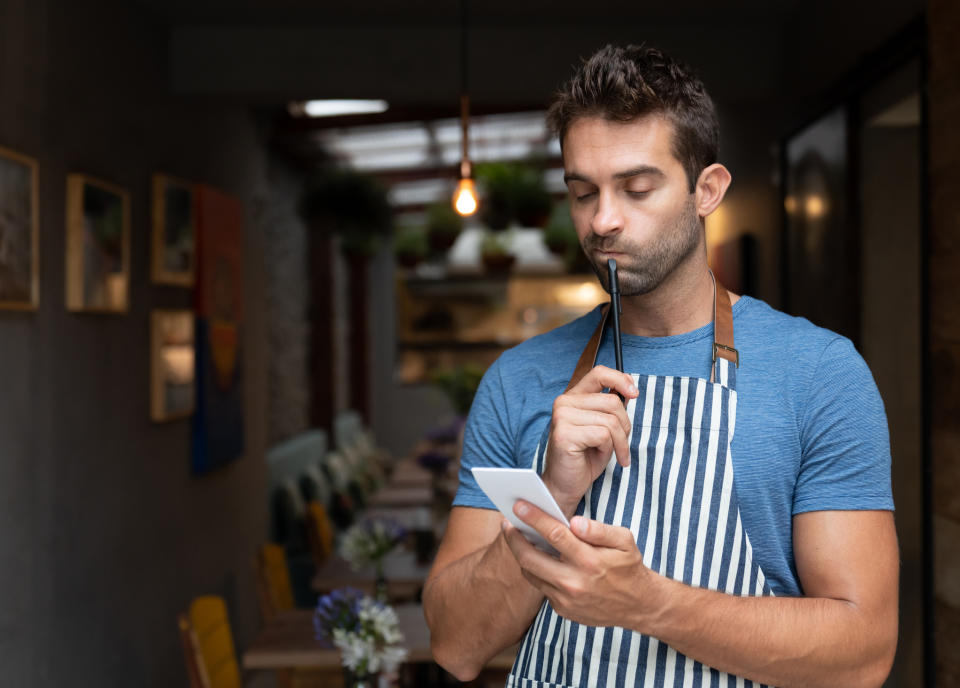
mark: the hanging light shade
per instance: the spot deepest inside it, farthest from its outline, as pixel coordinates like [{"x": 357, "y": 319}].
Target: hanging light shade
[{"x": 465, "y": 196}]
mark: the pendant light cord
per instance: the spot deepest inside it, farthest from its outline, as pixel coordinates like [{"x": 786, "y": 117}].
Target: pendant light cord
[{"x": 465, "y": 170}]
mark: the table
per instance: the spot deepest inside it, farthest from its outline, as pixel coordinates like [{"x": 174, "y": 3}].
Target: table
[
  {"x": 287, "y": 642},
  {"x": 402, "y": 496},
  {"x": 408, "y": 473},
  {"x": 405, "y": 577}
]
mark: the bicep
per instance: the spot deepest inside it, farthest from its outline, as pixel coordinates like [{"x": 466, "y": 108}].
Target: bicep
[
  {"x": 468, "y": 529},
  {"x": 851, "y": 556}
]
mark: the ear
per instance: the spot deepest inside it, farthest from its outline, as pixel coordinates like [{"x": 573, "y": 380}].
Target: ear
[{"x": 711, "y": 187}]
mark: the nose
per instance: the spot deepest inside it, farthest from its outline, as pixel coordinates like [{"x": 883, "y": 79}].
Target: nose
[{"x": 607, "y": 219}]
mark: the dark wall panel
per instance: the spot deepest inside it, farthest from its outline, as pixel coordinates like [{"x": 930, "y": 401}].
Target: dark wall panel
[{"x": 104, "y": 533}]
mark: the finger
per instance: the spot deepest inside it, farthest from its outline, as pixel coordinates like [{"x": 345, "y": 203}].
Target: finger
[
  {"x": 606, "y": 440},
  {"x": 553, "y": 531},
  {"x": 531, "y": 559},
  {"x": 600, "y": 403},
  {"x": 602, "y": 534},
  {"x": 579, "y": 417},
  {"x": 601, "y": 378}
]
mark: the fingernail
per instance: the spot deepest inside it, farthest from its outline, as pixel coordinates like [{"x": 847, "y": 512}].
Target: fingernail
[
  {"x": 503, "y": 525},
  {"x": 521, "y": 509},
  {"x": 633, "y": 389},
  {"x": 579, "y": 525}
]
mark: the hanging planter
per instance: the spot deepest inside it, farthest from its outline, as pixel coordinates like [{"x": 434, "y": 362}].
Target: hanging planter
[
  {"x": 443, "y": 227},
  {"x": 351, "y": 206},
  {"x": 410, "y": 246}
]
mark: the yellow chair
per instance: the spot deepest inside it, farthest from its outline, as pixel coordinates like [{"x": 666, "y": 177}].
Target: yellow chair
[
  {"x": 319, "y": 532},
  {"x": 273, "y": 581},
  {"x": 210, "y": 642}
]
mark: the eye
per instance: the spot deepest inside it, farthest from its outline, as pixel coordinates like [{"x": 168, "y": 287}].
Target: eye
[
  {"x": 585, "y": 196},
  {"x": 638, "y": 194}
]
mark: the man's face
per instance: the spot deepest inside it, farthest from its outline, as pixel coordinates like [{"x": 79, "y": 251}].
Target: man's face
[{"x": 630, "y": 200}]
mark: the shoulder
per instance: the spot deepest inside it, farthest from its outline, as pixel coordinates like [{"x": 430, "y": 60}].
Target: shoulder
[{"x": 769, "y": 338}]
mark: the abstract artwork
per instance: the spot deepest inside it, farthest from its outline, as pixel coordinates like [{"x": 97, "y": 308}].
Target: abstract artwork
[
  {"x": 218, "y": 421},
  {"x": 19, "y": 259},
  {"x": 174, "y": 231},
  {"x": 172, "y": 379},
  {"x": 98, "y": 246}
]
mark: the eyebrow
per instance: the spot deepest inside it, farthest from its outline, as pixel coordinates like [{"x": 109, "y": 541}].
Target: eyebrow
[{"x": 647, "y": 170}]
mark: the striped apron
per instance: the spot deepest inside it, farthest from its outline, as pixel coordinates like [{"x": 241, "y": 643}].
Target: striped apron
[{"x": 679, "y": 500}]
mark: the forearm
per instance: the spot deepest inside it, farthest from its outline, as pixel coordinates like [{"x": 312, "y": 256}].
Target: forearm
[
  {"x": 477, "y": 606},
  {"x": 777, "y": 641}
]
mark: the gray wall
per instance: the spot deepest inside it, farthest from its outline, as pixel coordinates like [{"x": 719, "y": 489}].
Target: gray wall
[{"x": 104, "y": 533}]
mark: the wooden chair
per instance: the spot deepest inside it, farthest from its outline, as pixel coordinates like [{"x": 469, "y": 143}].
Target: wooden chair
[
  {"x": 273, "y": 581},
  {"x": 209, "y": 652},
  {"x": 319, "y": 532}
]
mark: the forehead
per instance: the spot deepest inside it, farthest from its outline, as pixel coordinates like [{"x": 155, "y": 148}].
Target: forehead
[{"x": 598, "y": 147}]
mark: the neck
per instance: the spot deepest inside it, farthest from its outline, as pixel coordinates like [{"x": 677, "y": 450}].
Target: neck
[{"x": 682, "y": 303}]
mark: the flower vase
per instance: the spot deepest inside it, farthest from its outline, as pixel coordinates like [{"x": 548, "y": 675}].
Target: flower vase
[
  {"x": 380, "y": 584},
  {"x": 352, "y": 680}
]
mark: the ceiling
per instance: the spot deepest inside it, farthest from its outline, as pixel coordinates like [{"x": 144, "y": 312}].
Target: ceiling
[
  {"x": 772, "y": 57},
  {"x": 407, "y": 51}
]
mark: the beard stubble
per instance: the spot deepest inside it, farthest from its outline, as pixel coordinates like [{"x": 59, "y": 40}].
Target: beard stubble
[{"x": 649, "y": 265}]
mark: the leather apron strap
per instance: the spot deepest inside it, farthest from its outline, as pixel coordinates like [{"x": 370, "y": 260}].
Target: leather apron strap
[{"x": 722, "y": 337}]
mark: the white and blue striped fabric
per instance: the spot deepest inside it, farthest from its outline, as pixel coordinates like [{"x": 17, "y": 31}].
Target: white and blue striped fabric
[{"x": 678, "y": 498}]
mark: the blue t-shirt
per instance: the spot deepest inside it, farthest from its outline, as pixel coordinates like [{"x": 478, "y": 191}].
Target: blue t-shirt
[{"x": 811, "y": 432}]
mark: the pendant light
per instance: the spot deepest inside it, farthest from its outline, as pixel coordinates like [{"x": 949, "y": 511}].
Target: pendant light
[{"x": 465, "y": 196}]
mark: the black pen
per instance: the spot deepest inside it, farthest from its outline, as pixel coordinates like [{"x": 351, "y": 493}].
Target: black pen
[{"x": 615, "y": 312}]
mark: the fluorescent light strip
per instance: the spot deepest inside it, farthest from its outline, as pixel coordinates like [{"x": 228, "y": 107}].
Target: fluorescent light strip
[{"x": 333, "y": 108}]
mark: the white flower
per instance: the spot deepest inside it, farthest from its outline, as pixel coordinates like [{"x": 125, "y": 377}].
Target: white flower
[{"x": 374, "y": 645}]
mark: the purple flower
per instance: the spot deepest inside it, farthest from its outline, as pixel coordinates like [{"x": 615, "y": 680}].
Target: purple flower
[
  {"x": 339, "y": 609},
  {"x": 434, "y": 460}
]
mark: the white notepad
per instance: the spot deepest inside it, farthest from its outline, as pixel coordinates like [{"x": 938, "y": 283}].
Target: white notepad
[{"x": 504, "y": 486}]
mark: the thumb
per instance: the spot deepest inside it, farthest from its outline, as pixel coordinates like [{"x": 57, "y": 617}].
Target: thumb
[{"x": 602, "y": 534}]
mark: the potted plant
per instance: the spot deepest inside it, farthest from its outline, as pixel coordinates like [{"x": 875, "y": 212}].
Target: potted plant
[
  {"x": 366, "y": 631},
  {"x": 531, "y": 200},
  {"x": 494, "y": 254},
  {"x": 410, "y": 246},
  {"x": 497, "y": 180},
  {"x": 350, "y": 205},
  {"x": 444, "y": 225}
]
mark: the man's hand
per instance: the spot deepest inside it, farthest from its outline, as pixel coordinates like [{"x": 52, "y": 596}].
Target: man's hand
[
  {"x": 587, "y": 427},
  {"x": 600, "y": 579}
]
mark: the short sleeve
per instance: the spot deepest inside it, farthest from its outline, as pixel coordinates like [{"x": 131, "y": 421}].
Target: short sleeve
[
  {"x": 845, "y": 462},
  {"x": 488, "y": 438}
]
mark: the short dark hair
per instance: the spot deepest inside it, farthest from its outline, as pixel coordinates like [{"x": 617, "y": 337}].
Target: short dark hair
[{"x": 624, "y": 83}]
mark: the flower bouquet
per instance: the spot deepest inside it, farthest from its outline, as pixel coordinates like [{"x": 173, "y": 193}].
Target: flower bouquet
[
  {"x": 368, "y": 542},
  {"x": 366, "y": 632}
]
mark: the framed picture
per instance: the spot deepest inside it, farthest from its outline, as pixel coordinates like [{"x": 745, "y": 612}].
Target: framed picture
[
  {"x": 98, "y": 246},
  {"x": 174, "y": 231},
  {"x": 172, "y": 376},
  {"x": 19, "y": 237}
]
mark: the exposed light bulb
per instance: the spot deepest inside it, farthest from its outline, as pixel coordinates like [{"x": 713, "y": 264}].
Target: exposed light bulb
[{"x": 465, "y": 197}]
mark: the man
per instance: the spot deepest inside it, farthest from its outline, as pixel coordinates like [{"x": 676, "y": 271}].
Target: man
[{"x": 735, "y": 518}]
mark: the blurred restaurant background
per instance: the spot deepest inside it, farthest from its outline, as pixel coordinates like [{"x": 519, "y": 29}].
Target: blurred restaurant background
[{"x": 231, "y": 319}]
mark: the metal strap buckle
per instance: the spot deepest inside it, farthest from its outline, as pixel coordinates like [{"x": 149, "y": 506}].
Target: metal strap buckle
[{"x": 717, "y": 346}]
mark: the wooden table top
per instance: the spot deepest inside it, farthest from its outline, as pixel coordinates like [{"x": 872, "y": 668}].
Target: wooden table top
[
  {"x": 287, "y": 642},
  {"x": 408, "y": 473},
  {"x": 404, "y": 575},
  {"x": 402, "y": 496}
]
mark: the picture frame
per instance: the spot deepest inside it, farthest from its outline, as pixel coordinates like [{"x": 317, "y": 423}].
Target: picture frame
[
  {"x": 172, "y": 364},
  {"x": 98, "y": 246},
  {"x": 174, "y": 219},
  {"x": 19, "y": 232}
]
